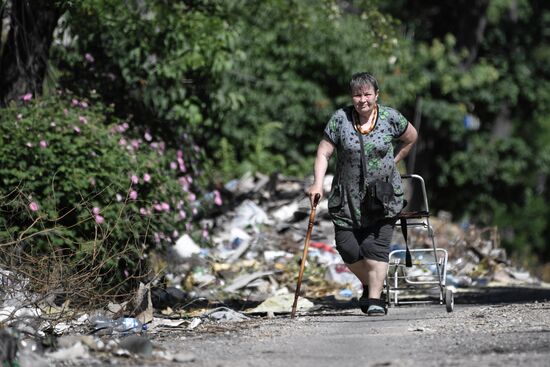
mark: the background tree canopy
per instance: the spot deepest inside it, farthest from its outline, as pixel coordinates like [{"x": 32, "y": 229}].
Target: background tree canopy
[{"x": 251, "y": 84}]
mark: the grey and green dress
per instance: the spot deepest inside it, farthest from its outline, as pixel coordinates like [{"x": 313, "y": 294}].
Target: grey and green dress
[{"x": 344, "y": 200}]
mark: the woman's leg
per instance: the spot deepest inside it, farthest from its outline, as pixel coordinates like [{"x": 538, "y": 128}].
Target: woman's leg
[
  {"x": 371, "y": 273},
  {"x": 365, "y": 252},
  {"x": 347, "y": 244},
  {"x": 376, "y": 271},
  {"x": 375, "y": 249},
  {"x": 360, "y": 270}
]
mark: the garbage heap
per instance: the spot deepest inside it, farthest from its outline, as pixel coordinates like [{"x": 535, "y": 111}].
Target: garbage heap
[{"x": 260, "y": 234}]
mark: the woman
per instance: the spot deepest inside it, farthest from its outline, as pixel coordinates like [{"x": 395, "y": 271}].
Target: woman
[{"x": 362, "y": 238}]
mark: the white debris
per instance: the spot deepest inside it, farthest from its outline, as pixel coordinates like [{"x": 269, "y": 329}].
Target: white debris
[{"x": 185, "y": 247}]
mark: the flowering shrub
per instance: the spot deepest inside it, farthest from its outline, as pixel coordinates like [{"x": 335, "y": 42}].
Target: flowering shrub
[{"x": 72, "y": 183}]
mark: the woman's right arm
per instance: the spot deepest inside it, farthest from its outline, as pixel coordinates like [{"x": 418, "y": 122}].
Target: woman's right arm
[{"x": 324, "y": 152}]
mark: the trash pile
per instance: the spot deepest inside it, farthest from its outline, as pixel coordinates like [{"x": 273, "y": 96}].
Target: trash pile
[
  {"x": 259, "y": 242},
  {"x": 252, "y": 267}
]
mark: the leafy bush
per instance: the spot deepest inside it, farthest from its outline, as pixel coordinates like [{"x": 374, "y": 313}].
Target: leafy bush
[{"x": 73, "y": 183}]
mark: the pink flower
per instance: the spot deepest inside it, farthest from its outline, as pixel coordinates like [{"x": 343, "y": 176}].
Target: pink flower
[
  {"x": 83, "y": 104},
  {"x": 122, "y": 141},
  {"x": 133, "y": 195},
  {"x": 181, "y": 165},
  {"x": 33, "y": 206},
  {"x": 182, "y": 214},
  {"x": 43, "y": 144},
  {"x": 95, "y": 210},
  {"x": 147, "y": 177},
  {"x": 76, "y": 129},
  {"x": 74, "y": 102},
  {"x": 175, "y": 234},
  {"x": 27, "y": 97},
  {"x": 217, "y": 198},
  {"x": 173, "y": 165},
  {"x": 184, "y": 183},
  {"x": 157, "y": 207},
  {"x": 179, "y": 154},
  {"x": 65, "y": 111},
  {"x": 143, "y": 211},
  {"x": 88, "y": 56},
  {"x": 148, "y": 136},
  {"x": 134, "y": 179},
  {"x": 192, "y": 197},
  {"x": 120, "y": 128},
  {"x": 165, "y": 206},
  {"x": 99, "y": 219},
  {"x": 134, "y": 143},
  {"x": 83, "y": 119}
]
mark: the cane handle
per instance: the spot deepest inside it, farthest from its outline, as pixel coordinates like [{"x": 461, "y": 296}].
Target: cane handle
[{"x": 316, "y": 199}]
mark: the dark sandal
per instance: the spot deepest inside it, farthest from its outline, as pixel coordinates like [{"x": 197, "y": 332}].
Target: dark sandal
[{"x": 376, "y": 307}]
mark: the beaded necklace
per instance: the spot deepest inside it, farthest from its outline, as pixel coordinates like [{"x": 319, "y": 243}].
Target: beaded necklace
[{"x": 371, "y": 123}]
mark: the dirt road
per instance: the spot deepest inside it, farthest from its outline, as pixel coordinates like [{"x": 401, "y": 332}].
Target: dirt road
[
  {"x": 489, "y": 327},
  {"x": 488, "y": 333}
]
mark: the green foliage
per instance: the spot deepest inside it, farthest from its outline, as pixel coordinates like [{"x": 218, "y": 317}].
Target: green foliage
[
  {"x": 212, "y": 67},
  {"x": 523, "y": 221},
  {"x": 497, "y": 174},
  {"x": 253, "y": 83},
  {"x": 298, "y": 58},
  {"x": 70, "y": 181},
  {"x": 162, "y": 58}
]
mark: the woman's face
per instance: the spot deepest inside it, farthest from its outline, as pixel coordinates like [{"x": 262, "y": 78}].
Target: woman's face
[{"x": 364, "y": 99}]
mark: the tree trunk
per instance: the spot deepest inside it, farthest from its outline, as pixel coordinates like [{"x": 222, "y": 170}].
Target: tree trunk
[
  {"x": 24, "y": 57},
  {"x": 471, "y": 29}
]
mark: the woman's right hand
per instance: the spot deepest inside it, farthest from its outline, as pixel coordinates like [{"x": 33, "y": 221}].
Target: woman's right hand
[{"x": 314, "y": 190}]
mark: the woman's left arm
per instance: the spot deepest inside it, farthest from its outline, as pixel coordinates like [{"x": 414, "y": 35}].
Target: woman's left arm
[{"x": 408, "y": 139}]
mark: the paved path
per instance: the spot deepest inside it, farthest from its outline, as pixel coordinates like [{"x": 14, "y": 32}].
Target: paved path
[
  {"x": 482, "y": 334},
  {"x": 489, "y": 327}
]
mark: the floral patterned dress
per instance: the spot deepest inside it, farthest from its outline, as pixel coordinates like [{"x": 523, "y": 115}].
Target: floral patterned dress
[{"x": 344, "y": 200}]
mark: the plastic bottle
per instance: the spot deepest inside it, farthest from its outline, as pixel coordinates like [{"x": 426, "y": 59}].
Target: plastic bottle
[{"x": 121, "y": 326}]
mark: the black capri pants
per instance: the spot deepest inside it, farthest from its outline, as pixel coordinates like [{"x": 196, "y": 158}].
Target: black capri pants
[{"x": 372, "y": 242}]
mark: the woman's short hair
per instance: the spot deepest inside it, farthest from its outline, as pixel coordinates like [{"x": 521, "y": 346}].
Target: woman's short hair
[{"x": 359, "y": 80}]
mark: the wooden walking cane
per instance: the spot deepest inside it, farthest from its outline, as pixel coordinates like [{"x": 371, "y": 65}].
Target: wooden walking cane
[{"x": 304, "y": 255}]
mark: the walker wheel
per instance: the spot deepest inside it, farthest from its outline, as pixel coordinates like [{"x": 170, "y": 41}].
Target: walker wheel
[{"x": 449, "y": 300}]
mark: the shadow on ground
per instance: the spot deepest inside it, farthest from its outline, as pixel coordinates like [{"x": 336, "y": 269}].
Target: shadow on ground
[
  {"x": 495, "y": 295},
  {"x": 473, "y": 296},
  {"x": 478, "y": 296}
]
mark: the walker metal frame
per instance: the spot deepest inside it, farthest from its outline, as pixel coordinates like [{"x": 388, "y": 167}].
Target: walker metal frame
[{"x": 400, "y": 279}]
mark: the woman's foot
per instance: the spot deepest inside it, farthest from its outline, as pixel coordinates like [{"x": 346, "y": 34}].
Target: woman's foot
[{"x": 376, "y": 307}]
